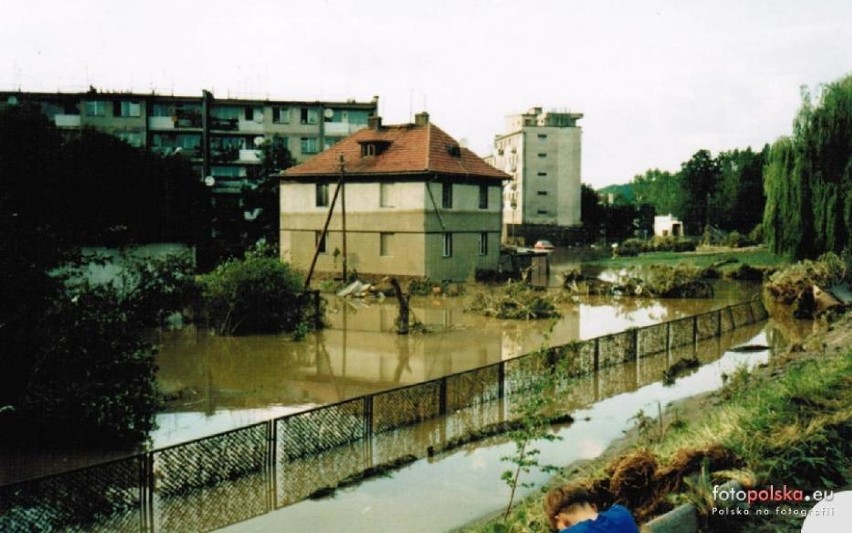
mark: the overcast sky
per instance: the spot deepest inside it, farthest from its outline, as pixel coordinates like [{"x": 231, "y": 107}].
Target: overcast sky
[{"x": 656, "y": 80}]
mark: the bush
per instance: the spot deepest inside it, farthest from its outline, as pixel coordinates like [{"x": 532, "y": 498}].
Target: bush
[
  {"x": 515, "y": 300},
  {"x": 258, "y": 294},
  {"x": 631, "y": 248},
  {"x": 159, "y": 286},
  {"x": 95, "y": 378},
  {"x": 735, "y": 240},
  {"x": 757, "y": 234}
]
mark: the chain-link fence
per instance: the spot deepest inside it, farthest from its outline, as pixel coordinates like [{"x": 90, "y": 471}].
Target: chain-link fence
[{"x": 233, "y": 476}]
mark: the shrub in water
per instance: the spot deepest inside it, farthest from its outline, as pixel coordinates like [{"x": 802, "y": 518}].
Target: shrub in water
[{"x": 257, "y": 294}]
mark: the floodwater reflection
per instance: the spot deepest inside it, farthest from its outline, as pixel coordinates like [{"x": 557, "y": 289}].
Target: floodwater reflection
[{"x": 219, "y": 383}]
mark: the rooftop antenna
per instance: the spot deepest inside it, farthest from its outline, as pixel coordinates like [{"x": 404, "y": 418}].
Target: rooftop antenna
[{"x": 410, "y": 105}]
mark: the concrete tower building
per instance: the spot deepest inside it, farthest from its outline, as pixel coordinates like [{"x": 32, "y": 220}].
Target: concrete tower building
[{"x": 541, "y": 150}]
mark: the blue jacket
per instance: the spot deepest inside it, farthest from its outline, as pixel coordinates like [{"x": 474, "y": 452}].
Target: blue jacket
[{"x": 616, "y": 519}]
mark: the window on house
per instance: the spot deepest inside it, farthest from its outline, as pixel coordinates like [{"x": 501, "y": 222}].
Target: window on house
[
  {"x": 542, "y": 154},
  {"x": 368, "y": 149},
  {"x": 483, "y": 196},
  {"x": 386, "y": 194},
  {"x": 385, "y": 244},
  {"x": 448, "y": 245},
  {"x": 126, "y": 109},
  {"x": 542, "y": 173},
  {"x": 309, "y": 145},
  {"x": 281, "y": 115},
  {"x": 447, "y": 195},
  {"x": 542, "y": 136},
  {"x": 319, "y": 242},
  {"x": 309, "y": 116},
  {"x": 322, "y": 194},
  {"x": 483, "y": 243},
  {"x": 95, "y": 108},
  {"x": 542, "y": 211},
  {"x": 542, "y": 193}
]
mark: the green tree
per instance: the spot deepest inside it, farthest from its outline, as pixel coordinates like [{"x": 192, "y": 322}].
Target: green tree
[
  {"x": 74, "y": 360},
  {"x": 699, "y": 178},
  {"x": 661, "y": 189},
  {"x": 592, "y": 213},
  {"x": 263, "y": 194},
  {"x": 738, "y": 201},
  {"x": 808, "y": 177}
]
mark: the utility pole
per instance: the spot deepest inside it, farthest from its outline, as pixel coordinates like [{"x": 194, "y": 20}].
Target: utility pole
[{"x": 343, "y": 210}]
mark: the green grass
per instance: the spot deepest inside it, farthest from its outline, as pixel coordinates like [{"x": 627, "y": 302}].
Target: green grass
[{"x": 756, "y": 257}]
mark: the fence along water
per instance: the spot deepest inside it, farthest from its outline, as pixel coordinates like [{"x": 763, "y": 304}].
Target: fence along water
[{"x": 233, "y": 476}]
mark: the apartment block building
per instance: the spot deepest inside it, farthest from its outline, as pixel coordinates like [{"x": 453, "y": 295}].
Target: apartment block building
[
  {"x": 221, "y": 136},
  {"x": 541, "y": 150}
]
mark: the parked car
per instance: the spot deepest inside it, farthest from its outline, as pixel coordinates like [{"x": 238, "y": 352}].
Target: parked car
[{"x": 543, "y": 244}]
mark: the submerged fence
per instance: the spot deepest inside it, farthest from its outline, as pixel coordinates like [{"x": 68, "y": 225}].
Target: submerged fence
[{"x": 233, "y": 476}]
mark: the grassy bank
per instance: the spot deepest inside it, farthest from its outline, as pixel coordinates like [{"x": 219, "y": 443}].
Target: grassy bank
[
  {"x": 785, "y": 423},
  {"x": 757, "y": 257}
]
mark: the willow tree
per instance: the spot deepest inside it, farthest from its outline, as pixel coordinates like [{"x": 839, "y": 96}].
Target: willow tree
[{"x": 808, "y": 177}]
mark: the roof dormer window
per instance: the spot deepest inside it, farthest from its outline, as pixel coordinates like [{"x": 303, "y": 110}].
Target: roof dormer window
[
  {"x": 374, "y": 147},
  {"x": 454, "y": 150}
]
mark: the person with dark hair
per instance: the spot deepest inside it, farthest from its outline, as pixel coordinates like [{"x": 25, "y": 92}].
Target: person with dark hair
[{"x": 570, "y": 509}]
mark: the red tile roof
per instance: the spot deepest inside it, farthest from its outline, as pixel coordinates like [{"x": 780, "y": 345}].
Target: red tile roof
[{"x": 409, "y": 149}]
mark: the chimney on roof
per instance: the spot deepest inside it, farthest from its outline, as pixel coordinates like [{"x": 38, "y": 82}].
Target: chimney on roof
[
  {"x": 421, "y": 119},
  {"x": 374, "y": 122}
]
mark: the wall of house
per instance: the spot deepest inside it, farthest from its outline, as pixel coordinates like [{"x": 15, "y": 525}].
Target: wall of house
[{"x": 410, "y": 224}]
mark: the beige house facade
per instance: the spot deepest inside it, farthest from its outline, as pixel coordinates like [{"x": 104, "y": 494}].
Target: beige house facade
[{"x": 417, "y": 205}]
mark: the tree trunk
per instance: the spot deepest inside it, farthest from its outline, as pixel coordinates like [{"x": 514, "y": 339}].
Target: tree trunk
[{"x": 402, "y": 319}]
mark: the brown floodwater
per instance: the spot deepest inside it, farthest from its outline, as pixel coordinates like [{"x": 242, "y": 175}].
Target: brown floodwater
[
  {"x": 227, "y": 382},
  {"x": 218, "y": 383}
]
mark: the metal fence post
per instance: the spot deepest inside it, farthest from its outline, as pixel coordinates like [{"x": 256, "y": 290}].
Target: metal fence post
[
  {"x": 635, "y": 342},
  {"x": 597, "y": 353},
  {"x": 694, "y": 330},
  {"x": 148, "y": 490},
  {"x": 271, "y": 463},
  {"x": 442, "y": 397}
]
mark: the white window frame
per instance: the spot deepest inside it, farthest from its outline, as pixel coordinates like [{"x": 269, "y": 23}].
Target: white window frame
[
  {"x": 483, "y": 243},
  {"x": 447, "y": 249}
]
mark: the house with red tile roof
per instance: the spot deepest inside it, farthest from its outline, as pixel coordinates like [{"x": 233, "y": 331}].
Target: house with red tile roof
[{"x": 417, "y": 204}]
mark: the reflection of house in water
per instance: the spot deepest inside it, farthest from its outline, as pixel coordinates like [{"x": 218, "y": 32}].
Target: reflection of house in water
[
  {"x": 417, "y": 204},
  {"x": 667, "y": 225},
  {"x": 362, "y": 345}
]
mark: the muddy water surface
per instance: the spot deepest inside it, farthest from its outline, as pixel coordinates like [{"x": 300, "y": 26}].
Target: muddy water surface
[
  {"x": 217, "y": 383},
  {"x": 222, "y": 383}
]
